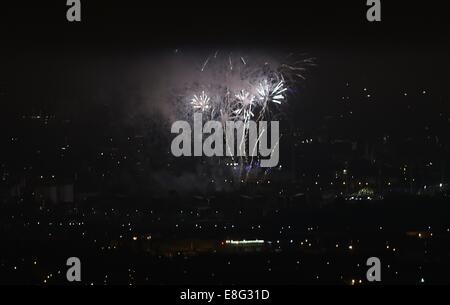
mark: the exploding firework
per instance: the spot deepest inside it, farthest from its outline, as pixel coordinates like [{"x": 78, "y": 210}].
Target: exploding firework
[
  {"x": 201, "y": 102},
  {"x": 268, "y": 92},
  {"x": 244, "y": 102},
  {"x": 242, "y": 88}
]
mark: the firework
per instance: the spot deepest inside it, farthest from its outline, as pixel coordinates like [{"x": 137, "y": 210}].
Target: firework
[
  {"x": 201, "y": 102},
  {"x": 268, "y": 92},
  {"x": 232, "y": 87},
  {"x": 244, "y": 102}
]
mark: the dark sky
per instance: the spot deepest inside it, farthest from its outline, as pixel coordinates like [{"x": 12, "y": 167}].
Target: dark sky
[
  {"x": 131, "y": 23},
  {"x": 52, "y": 64}
]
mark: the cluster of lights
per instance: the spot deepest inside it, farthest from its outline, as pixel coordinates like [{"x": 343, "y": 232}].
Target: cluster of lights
[{"x": 244, "y": 242}]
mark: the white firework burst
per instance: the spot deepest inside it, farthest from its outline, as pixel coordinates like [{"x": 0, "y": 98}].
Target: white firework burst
[
  {"x": 271, "y": 92},
  {"x": 244, "y": 102},
  {"x": 201, "y": 102}
]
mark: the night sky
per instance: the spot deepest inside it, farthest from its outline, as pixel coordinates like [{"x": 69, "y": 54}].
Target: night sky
[{"x": 77, "y": 66}]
